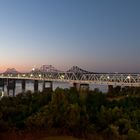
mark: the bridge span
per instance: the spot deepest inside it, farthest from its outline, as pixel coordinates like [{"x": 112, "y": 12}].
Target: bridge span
[{"x": 74, "y": 75}]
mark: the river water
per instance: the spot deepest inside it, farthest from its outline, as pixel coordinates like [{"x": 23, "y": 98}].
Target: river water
[{"x": 30, "y": 86}]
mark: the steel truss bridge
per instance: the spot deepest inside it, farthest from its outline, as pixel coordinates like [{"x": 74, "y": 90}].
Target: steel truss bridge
[{"x": 76, "y": 75}]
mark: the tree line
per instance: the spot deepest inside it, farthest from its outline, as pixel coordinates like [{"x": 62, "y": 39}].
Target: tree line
[{"x": 81, "y": 114}]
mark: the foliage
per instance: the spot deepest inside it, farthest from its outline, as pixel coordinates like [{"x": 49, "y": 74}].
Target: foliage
[{"x": 65, "y": 111}]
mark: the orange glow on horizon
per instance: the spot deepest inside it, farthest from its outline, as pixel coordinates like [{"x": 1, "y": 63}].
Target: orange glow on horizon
[{"x": 18, "y": 68}]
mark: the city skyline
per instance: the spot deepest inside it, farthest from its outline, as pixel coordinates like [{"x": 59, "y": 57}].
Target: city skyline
[{"x": 100, "y": 36}]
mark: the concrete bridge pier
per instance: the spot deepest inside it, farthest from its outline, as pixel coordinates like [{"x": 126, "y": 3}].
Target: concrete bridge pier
[
  {"x": 11, "y": 84},
  {"x": 35, "y": 85},
  {"x": 110, "y": 88},
  {"x": 50, "y": 87},
  {"x": 81, "y": 87},
  {"x": 84, "y": 87},
  {"x": 23, "y": 83},
  {"x": 76, "y": 86},
  {"x": 2, "y": 84},
  {"x": 115, "y": 89}
]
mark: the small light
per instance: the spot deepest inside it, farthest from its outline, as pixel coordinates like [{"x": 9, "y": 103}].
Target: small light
[
  {"x": 39, "y": 75},
  {"x": 33, "y": 69},
  {"x": 128, "y": 77},
  {"x": 23, "y": 75},
  {"x": 62, "y": 77},
  {"x": 108, "y": 77},
  {"x": 31, "y": 75}
]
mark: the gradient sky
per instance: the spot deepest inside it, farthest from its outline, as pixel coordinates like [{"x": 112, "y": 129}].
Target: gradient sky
[{"x": 96, "y": 35}]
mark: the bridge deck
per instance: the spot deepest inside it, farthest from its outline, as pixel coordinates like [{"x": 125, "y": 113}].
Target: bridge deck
[{"x": 89, "y": 78}]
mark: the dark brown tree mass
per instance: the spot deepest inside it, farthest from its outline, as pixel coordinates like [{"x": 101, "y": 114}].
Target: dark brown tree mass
[{"x": 111, "y": 116}]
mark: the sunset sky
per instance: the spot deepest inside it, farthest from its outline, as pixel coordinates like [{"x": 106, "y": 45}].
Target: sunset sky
[{"x": 96, "y": 35}]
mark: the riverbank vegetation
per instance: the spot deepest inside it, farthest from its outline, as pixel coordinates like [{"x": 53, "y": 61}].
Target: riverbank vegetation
[{"x": 86, "y": 114}]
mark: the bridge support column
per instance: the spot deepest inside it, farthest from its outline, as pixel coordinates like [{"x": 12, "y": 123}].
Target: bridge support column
[
  {"x": 23, "y": 82},
  {"x": 84, "y": 87},
  {"x": 35, "y": 85},
  {"x": 47, "y": 88},
  {"x": 126, "y": 89},
  {"x": 11, "y": 84},
  {"x": 110, "y": 88},
  {"x": 114, "y": 90},
  {"x": 76, "y": 86},
  {"x": 81, "y": 87},
  {"x": 2, "y": 84}
]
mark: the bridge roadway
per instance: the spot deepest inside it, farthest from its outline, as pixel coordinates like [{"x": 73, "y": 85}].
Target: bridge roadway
[
  {"x": 78, "y": 77},
  {"x": 115, "y": 79}
]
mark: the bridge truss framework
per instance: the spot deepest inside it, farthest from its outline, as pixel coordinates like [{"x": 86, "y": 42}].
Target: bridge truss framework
[{"x": 83, "y": 78}]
